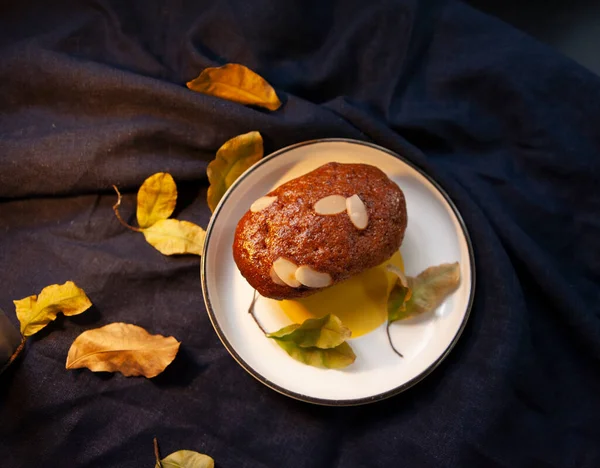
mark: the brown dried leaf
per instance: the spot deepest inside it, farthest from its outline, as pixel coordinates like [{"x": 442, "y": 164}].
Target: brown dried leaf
[
  {"x": 122, "y": 347},
  {"x": 236, "y": 83},
  {"x": 423, "y": 293},
  {"x": 432, "y": 286}
]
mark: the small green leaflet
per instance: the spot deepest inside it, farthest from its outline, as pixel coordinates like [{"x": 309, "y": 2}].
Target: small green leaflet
[
  {"x": 186, "y": 459},
  {"x": 399, "y": 295},
  {"x": 333, "y": 358},
  {"x": 317, "y": 342},
  {"x": 324, "y": 333}
]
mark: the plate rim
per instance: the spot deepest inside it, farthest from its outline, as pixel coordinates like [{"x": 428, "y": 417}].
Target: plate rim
[{"x": 325, "y": 401}]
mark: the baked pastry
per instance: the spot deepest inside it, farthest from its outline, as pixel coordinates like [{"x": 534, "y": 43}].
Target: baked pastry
[{"x": 319, "y": 229}]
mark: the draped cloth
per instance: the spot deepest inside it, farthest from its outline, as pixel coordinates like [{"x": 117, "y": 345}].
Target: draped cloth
[{"x": 92, "y": 93}]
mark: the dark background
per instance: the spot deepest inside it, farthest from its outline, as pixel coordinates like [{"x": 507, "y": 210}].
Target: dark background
[
  {"x": 92, "y": 94},
  {"x": 572, "y": 27}
]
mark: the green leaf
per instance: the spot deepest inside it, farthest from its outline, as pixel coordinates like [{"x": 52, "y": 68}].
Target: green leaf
[
  {"x": 236, "y": 83},
  {"x": 333, "y": 358},
  {"x": 156, "y": 199},
  {"x": 317, "y": 342},
  {"x": 186, "y": 459},
  {"x": 397, "y": 302},
  {"x": 324, "y": 333},
  {"x": 35, "y": 312},
  {"x": 424, "y": 293},
  {"x": 233, "y": 158},
  {"x": 171, "y": 236}
]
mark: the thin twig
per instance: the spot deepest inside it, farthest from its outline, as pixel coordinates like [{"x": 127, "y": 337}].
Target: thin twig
[
  {"x": 390, "y": 340},
  {"x": 15, "y": 355},
  {"x": 251, "y": 312},
  {"x": 118, "y": 215},
  {"x": 157, "y": 453}
]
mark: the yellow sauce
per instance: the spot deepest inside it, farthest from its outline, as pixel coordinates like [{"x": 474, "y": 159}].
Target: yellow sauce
[{"x": 360, "y": 302}]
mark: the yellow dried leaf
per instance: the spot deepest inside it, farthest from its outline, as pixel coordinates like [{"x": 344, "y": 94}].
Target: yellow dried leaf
[
  {"x": 233, "y": 158},
  {"x": 171, "y": 236},
  {"x": 124, "y": 348},
  {"x": 236, "y": 83},
  {"x": 37, "y": 311},
  {"x": 186, "y": 459},
  {"x": 156, "y": 199}
]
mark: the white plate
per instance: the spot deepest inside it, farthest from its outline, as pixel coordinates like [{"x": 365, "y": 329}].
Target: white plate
[{"x": 435, "y": 234}]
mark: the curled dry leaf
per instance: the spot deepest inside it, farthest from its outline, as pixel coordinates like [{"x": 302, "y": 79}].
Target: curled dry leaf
[
  {"x": 186, "y": 459},
  {"x": 432, "y": 286},
  {"x": 122, "y": 347},
  {"x": 424, "y": 292},
  {"x": 236, "y": 83},
  {"x": 171, "y": 237},
  {"x": 156, "y": 199},
  {"x": 326, "y": 332},
  {"x": 413, "y": 296},
  {"x": 37, "y": 311},
  {"x": 233, "y": 158}
]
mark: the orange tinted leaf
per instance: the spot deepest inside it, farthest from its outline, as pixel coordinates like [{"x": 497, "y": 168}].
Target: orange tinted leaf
[
  {"x": 122, "y": 347},
  {"x": 236, "y": 83}
]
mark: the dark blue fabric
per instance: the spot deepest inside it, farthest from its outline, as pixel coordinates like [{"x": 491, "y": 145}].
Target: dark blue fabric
[{"x": 92, "y": 94}]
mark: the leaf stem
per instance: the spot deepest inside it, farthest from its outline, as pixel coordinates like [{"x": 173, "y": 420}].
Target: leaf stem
[
  {"x": 157, "y": 453},
  {"x": 15, "y": 355},
  {"x": 251, "y": 311},
  {"x": 387, "y": 329},
  {"x": 118, "y": 215}
]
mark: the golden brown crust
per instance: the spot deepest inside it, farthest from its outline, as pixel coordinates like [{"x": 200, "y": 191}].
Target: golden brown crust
[{"x": 291, "y": 229}]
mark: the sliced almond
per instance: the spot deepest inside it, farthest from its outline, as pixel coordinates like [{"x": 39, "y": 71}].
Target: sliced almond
[
  {"x": 312, "y": 278},
  {"x": 275, "y": 277},
  {"x": 357, "y": 211},
  {"x": 262, "y": 203},
  {"x": 286, "y": 271},
  {"x": 330, "y": 205}
]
